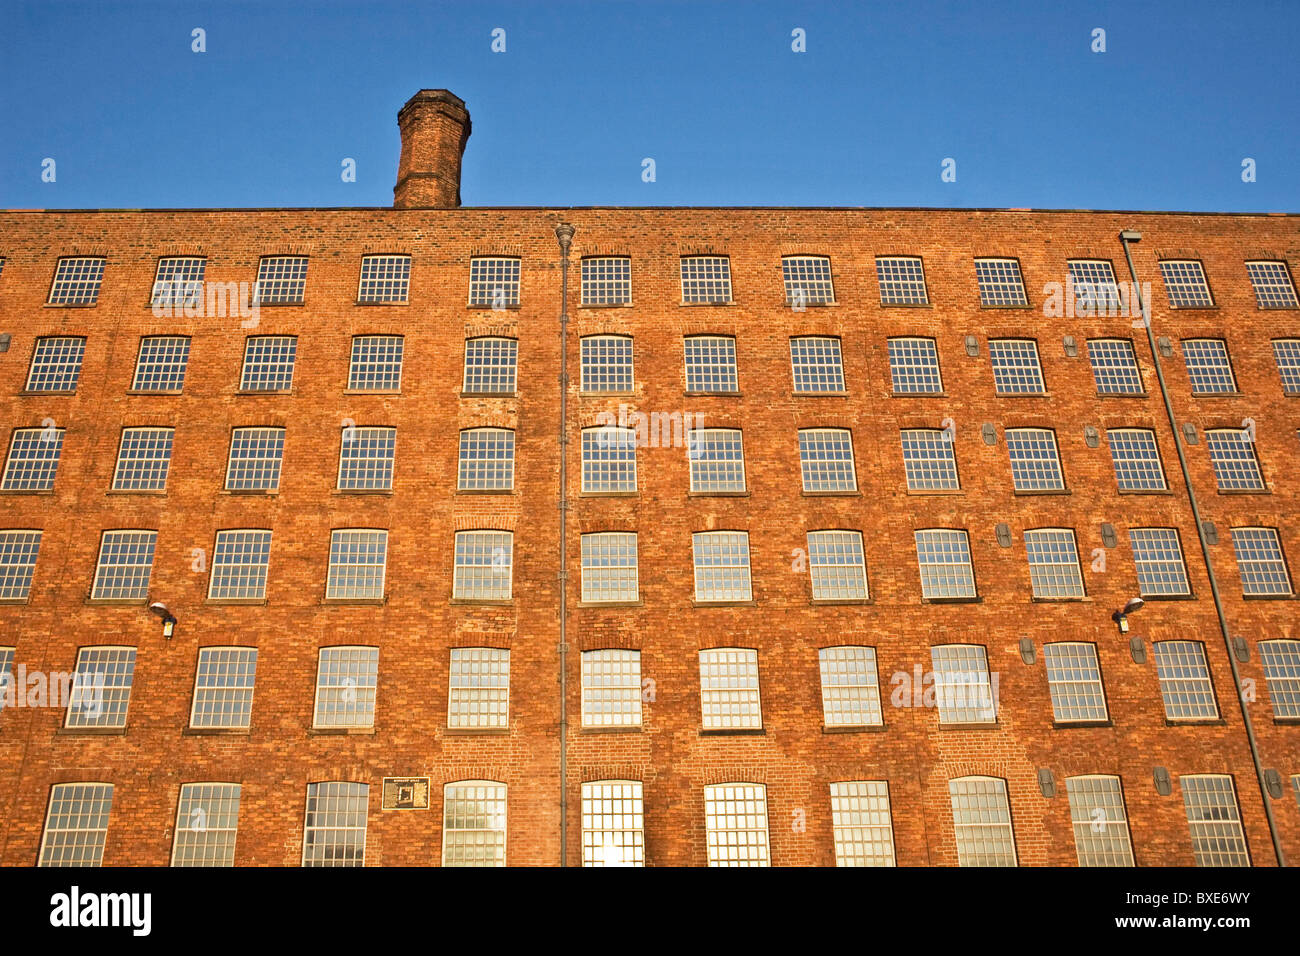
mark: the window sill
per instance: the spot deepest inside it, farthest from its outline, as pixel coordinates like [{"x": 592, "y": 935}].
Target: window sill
[
  {"x": 1123, "y": 394},
  {"x": 1168, "y": 597},
  {"x": 14, "y": 601},
  {"x": 842, "y": 393},
  {"x": 589, "y": 604},
  {"x": 250, "y": 493},
  {"x": 23, "y": 491},
  {"x": 362, "y": 492},
  {"x": 485, "y": 491},
  {"x": 480, "y": 307},
  {"x": 1023, "y": 307},
  {"x": 286, "y": 303},
  {"x": 789, "y": 304},
  {"x": 475, "y": 731},
  {"x": 736, "y": 394},
  {"x": 489, "y": 394},
  {"x": 91, "y": 732},
  {"x": 236, "y": 602},
  {"x": 1142, "y": 491},
  {"x": 696, "y": 305},
  {"x": 953, "y": 600},
  {"x": 46, "y": 393},
  {"x": 134, "y": 494},
  {"x": 1243, "y": 491},
  {"x": 163, "y": 394},
  {"x": 1197, "y": 722},
  {"x": 372, "y": 391},
  {"x": 972, "y": 725},
  {"x": 1268, "y": 597},
  {"x": 1043, "y": 493},
  {"x": 831, "y": 494},
  {"x": 1287, "y": 721},
  {"x": 482, "y": 602},
  {"x": 717, "y": 494},
  {"x": 613, "y": 729},
  {"x": 906, "y": 305},
  {"x": 215, "y": 732},
  {"x": 848, "y": 602},
  {"x": 116, "y": 602},
  {"x": 734, "y": 732},
  {"x": 356, "y": 602},
  {"x": 340, "y": 731},
  {"x": 1061, "y": 600},
  {"x": 918, "y": 394},
  {"x": 265, "y": 391},
  {"x": 1069, "y": 724},
  {"x": 1218, "y": 394},
  {"x": 584, "y": 393},
  {"x": 368, "y": 302},
  {"x": 1193, "y": 308},
  {"x": 854, "y": 729},
  {"x": 1022, "y": 394},
  {"x": 935, "y": 492},
  {"x": 70, "y": 305},
  {"x": 604, "y": 305},
  {"x": 608, "y": 494},
  {"x": 724, "y": 603}
]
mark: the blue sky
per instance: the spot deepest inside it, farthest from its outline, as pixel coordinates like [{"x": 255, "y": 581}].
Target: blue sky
[{"x": 711, "y": 91}]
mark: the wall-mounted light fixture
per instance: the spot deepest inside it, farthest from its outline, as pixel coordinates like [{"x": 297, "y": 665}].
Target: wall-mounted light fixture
[
  {"x": 1120, "y": 617},
  {"x": 168, "y": 618}
]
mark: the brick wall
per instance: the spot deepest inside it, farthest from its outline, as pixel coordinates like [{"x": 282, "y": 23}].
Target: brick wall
[{"x": 417, "y": 624}]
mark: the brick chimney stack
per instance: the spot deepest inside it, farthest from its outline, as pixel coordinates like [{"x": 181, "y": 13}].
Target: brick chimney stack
[{"x": 435, "y": 126}]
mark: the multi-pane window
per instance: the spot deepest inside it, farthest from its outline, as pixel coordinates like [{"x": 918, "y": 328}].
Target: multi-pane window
[
  {"x": 1097, "y": 813},
  {"x": 729, "y": 689},
  {"x": 1136, "y": 458},
  {"x": 490, "y": 365},
  {"x": 1054, "y": 563},
  {"x": 1185, "y": 683},
  {"x": 18, "y": 552},
  {"x": 124, "y": 566},
  {"x": 239, "y": 565},
  {"x": 33, "y": 459},
  {"x": 1035, "y": 460},
  {"x": 826, "y": 459},
  {"x": 1260, "y": 561},
  {"x": 1286, "y": 352},
  {"x": 1208, "y": 366},
  {"x": 358, "y": 558},
  {"x": 223, "y": 687},
  {"x": 606, "y": 280},
  {"x": 255, "y": 458},
  {"x": 817, "y": 364},
  {"x": 706, "y": 279},
  {"x": 717, "y": 460},
  {"x": 861, "y": 822},
  {"x": 613, "y": 823},
  {"x": 474, "y": 823},
  {"x": 56, "y": 364},
  {"x": 611, "y": 688},
  {"x": 1000, "y": 282},
  {"x": 366, "y": 458},
  {"x": 206, "y": 822},
  {"x": 901, "y": 279},
  {"x": 711, "y": 364},
  {"x": 914, "y": 367},
  {"x": 735, "y": 820},
  {"x": 7, "y": 673},
  {"x": 1232, "y": 454},
  {"x": 1095, "y": 290},
  {"x": 76, "y": 824},
  {"x": 1185, "y": 284},
  {"x": 850, "y": 686},
  {"x": 609, "y": 459},
  {"x": 1281, "y": 660},
  {"x": 101, "y": 687},
  {"x": 1016, "y": 369},
  {"x": 161, "y": 364},
  {"x": 207, "y": 819},
  {"x": 721, "y": 565},
  {"x": 179, "y": 281},
  {"x": 943, "y": 556},
  {"x": 484, "y": 566},
  {"x": 487, "y": 460},
  {"x": 376, "y": 364},
  {"x": 268, "y": 363},
  {"x": 76, "y": 281},
  {"x": 494, "y": 282},
  {"x": 384, "y": 279},
  {"x": 981, "y": 819},
  {"x": 281, "y": 280},
  {"x": 609, "y": 567},
  {"x": 143, "y": 459},
  {"x": 346, "y": 680},
  {"x": 478, "y": 695},
  {"x": 607, "y": 363},
  {"x": 963, "y": 692},
  {"x": 1074, "y": 681},
  {"x": 929, "y": 460},
  {"x": 837, "y": 566},
  {"x": 1158, "y": 557},
  {"x": 334, "y": 832},
  {"x": 1114, "y": 367},
  {"x": 807, "y": 280},
  {"x": 1213, "y": 820},
  {"x": 1272, "y": 284}
]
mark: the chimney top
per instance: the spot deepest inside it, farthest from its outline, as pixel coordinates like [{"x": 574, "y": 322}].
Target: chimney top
[{"x": 435, "y": 127}]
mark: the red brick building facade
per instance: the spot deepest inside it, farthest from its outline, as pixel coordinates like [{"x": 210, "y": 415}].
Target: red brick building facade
[{"x": 1165, "y": 738}]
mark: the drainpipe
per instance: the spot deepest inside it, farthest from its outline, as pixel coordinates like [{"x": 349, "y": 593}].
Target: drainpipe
[
  {"x": 1125, "y": 237},
  {"x": 564, "y": 234}
]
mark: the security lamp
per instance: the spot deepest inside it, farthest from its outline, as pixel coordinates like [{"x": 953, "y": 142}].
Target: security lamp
[
  {"x": 1130, "y": 235},
  {"x": 168, "y": 618},
  {"x": 1120, "y": 617}
]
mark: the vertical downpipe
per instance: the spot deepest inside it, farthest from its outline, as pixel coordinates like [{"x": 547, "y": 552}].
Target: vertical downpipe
[
  {"x": 564, "y": 234},
  {"x": 1125, "y": 237}
]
